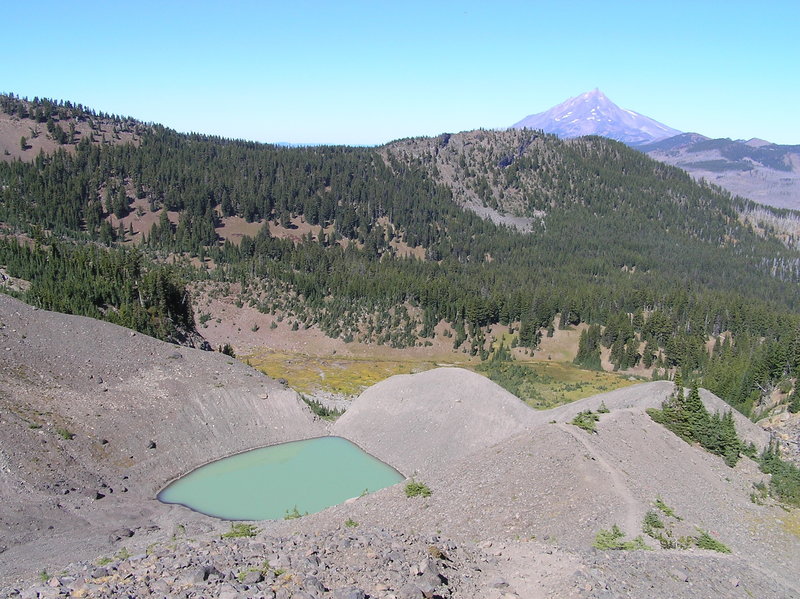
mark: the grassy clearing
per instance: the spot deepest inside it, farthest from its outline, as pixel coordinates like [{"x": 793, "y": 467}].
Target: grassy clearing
[
  {"x": 345, "y": 376},
  {"x": 550, "y": 384},
  {"x": 572, "y": 383}
]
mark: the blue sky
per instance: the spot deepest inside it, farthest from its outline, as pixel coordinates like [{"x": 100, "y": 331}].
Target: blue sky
[{"x": 361, "y": 72}]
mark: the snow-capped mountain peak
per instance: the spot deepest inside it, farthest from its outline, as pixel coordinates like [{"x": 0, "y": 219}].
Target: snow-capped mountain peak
[{"x": 592, "y": 113}]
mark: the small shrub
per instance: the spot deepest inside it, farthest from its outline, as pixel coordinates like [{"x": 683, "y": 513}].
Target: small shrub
[
  {"x": 123, "y": 554},
  {"x": 240, "y": 529},
  {"x": 760, "y": 494},
  {"x": 651, "y": 521},
  {"x": 665, "y": 509},
  {"x": 609, "y": 539},
  {"x": 614, "y": 539},
  {"x": 586, "y": 420},
  {"x": 655, "y": 528},
  {"x": 686, "y": 542},
  {"x": 415, "y": 489},
  {"x": 65, "y": 434},
  {"x": 706, "y": 541},
  {"x": 293, "y": 514},
  {"x": 264, "y": 569},
  {"x": 603, "y": 409},
  {"x": 350, "y": 523},
  {"x": 664, "y": 539},
  {"x": 320, "y": 410}
]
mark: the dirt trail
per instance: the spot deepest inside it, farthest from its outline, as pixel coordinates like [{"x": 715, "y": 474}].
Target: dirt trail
[{"x": 631, "y": 524}]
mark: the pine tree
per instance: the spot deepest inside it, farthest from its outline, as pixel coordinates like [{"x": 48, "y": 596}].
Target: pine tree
[
  {"x": 120, "y": 203},
  {"x": 589, "y": 348},
  {"x": 648, "y": 355},
  {"x": 632, "y": 353},
  {"x": 794, "y": 402},
  {"x": 617, "y": 355},
  {"x": 731, "y": 446},
  {"x": 697, "y": 417}
]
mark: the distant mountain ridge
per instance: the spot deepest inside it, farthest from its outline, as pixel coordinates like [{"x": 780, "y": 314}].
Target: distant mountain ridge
[
  {"x": 592, "y": 113},
  {"x": 756, "y": 169},
  {"x": 761, "y": 171}
]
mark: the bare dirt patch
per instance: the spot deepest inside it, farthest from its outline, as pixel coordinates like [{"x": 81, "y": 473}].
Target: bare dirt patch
[
  {"x": 233, "y": 228},
  {"x": 12, "y": 129},
  {"x": 562, "y": 346},
  {"x": 140, "y": 218}
]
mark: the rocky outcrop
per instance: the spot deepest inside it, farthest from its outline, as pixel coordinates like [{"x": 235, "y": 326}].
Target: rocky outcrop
[{"x": 346, "y": 563}]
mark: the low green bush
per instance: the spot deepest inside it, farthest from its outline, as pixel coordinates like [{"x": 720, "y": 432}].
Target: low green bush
[
  {"x": 293, "y": 514},
  {"x": 240, "y": 529},
  {"x": 65, "y": 434},
  {"x": 706, "y": 541},
  {"x": 415, "y": 489},
  {"x": 614, "y": 539},
  {"x": 586, "y": 420}
]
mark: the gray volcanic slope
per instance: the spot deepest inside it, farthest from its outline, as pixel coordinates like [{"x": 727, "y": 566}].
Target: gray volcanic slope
[
  {"x": 549, "y": 481},
  {"x": 420, "y": 421},
  {"x": 518, "y": 495},
  {"x": 118, "y": 393}
]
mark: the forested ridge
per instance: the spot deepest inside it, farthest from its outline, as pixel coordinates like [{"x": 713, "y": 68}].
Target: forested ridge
[{"x": 607, "y": 237}]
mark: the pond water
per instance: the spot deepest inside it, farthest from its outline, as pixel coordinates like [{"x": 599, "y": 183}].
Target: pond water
[{"x": 270, "y": 482}]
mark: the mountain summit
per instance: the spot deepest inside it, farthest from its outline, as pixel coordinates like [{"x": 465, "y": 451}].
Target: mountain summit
[{"x": 593, "y": 113}]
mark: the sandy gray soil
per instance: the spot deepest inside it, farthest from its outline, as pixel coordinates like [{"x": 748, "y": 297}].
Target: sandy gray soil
[
  {"x": 517, "y": 495},
  {"x": 140, "y": 411}
]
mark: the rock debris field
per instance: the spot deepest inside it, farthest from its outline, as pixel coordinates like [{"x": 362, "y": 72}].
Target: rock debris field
[{"x": 95, "y": 419}]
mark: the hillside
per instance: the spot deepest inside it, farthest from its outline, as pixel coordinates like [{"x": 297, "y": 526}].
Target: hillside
[
  {"x": 763, "y": 172},
  {"x": 95, "y": 419},
  {"x": 28, "y": 128},
  {"x": 517, "y": 495},
  {"x": 760, "y": 171},
  {"x": 423, "y": 242}
]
